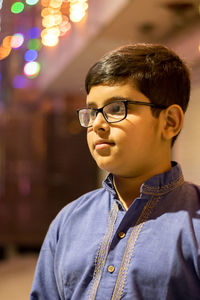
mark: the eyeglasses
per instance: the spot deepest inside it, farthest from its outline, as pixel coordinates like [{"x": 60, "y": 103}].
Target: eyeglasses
[{"x": 113, "y": 112}]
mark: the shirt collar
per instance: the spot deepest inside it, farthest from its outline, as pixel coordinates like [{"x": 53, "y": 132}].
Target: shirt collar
[{"x": 157, "y": 185}]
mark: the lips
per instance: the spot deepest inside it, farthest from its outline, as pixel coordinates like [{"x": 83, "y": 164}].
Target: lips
[{"x": 101, "y": 144}]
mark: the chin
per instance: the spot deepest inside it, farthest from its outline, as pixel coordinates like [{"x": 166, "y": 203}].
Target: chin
[{"x": 105, "y": 166}]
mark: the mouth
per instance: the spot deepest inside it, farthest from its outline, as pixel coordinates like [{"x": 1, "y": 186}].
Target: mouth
[{"x": 101, "y": 144}]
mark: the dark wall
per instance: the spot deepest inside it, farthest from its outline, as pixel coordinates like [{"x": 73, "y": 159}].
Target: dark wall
[{"x": 44, "y": 164}]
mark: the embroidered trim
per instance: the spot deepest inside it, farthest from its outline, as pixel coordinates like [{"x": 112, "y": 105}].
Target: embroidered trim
[
  {"x": 121, "y": 278},
  {"x": 158, "y": 191},
  {"x": 103, "y": 251}
]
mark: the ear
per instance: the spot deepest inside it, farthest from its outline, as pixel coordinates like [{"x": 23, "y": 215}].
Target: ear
[{"x": 173, "y": 121}]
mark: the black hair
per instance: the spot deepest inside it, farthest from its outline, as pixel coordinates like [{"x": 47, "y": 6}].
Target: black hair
[{"x": 155, "y": 70}]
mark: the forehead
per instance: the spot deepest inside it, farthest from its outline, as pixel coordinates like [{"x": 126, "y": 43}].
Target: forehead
[{"x": 102, "y": 94}]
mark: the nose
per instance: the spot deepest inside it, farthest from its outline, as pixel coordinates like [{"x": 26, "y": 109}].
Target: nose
[{"x": 100, "y": 123}]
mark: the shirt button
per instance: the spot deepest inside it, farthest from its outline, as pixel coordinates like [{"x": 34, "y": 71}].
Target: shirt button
[
  {"x": 121, "y": 235},
  {"x": 111, "y": 269}
]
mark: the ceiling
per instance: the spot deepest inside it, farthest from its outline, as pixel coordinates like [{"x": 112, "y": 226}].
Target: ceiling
[
  {"x": 175, "y": 23},
  {"x": 110, "y": 24}
]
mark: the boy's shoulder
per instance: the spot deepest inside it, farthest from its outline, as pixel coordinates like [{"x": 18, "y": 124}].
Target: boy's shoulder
[
  {"x": 83, "y": 207},
  {"x": 191, "y": 187},
  {"x": 85, "y": 202}
]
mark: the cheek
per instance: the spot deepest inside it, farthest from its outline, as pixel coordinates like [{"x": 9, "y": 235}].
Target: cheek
[{"x": 89, "y": 142}]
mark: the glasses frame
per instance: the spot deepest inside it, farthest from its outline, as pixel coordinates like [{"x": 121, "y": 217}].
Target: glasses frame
[{"x": 126, "y": 102}]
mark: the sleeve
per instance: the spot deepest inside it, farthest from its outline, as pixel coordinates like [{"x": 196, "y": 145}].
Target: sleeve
[{"x": 44, "y": 285}]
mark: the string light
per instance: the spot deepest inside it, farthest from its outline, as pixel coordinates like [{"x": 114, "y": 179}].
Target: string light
[
  {"x": 55, "y": 3},
  {"x": 32, "y": 2},
  {"x": 4, "y": 52},
  {"x": 34, "y": 44},
  {"x": 5, "y": 47},
  {"x": 19, "y": 82},
  {"x": 6, "y": 41},
  {"x": 53, "y": 22},
  {"x": 17, "y": 40},
  {"x": 17, "y": 7},
  {"x": 55, "y": 14},
  {"x": 1, "y": 3},
  {"x": 31, "y": 69},
  {"x": 45, "y": 3},
  {"x": 34, "y": 32},
  {"x": 30, "y": 55},
  {"x": 77, "y": 10},
  {"x": 64, "y": 27},
  {"x": 50, "y": 40}
]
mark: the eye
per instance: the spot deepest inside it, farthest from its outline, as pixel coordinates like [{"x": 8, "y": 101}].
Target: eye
[
  {"x": 92, "y": 113},
  {"x": 115, "y": 108}
]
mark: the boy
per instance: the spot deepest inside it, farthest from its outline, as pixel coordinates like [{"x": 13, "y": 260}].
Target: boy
[{"x": 138, "y": 237}]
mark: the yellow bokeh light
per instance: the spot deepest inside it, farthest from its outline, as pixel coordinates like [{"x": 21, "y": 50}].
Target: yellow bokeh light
[
  {"x": 55, "y": 20},
  {"x": 78, "y": 6},
  {"x": 55, "y": 3},
  {"x": 77, "y": 16},
  {"x": 48, "y": 21},
  {"x": 58, "y": 18},
  {"x": 49, "y": 11},
  {"x": 50, "y": 40},
  {"x": 44, "y": 32},
  {"x": 45, "y": 3},
  {"x": 7, "y": 41},
  {"x": 77, "y": 10},
  {"x": 4, "y": 52},
  {"x": 77, "y": 1},
  {"x": 54, "y": 31},
  {"x": 65, "y": 28}
]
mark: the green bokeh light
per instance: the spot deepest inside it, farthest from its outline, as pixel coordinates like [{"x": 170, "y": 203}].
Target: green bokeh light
[
  {"x": 17, "y": 7},
  {"x": 34, "y": 44}
]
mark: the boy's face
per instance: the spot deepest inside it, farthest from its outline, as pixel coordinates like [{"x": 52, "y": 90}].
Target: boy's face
[{"x": 132, "y": 147}]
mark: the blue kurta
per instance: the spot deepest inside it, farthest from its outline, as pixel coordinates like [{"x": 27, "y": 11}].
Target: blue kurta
[{"x": 94, "y": 249}]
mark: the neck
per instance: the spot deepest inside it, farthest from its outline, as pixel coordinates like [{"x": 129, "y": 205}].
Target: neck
[{"x": 128, "y": 188}]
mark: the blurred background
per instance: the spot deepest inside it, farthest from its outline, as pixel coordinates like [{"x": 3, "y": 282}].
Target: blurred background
[{"x": 46, "y": 48}]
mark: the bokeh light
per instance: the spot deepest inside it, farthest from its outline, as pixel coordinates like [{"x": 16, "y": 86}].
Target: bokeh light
[
  {"x": 34, "y": 32},
  {"x": 32, "y": 2},
  {"x": 17, "y": 7},
  {"x": 7, "y": 41},
  {"x": 49, "y": 11},
  {"x": 55, "y": 18},
  {"x": 77, "y": 10},
  {"x": 52, "y": 20},
  {"x": 45, "y": 3},
  {"x": 30, "y": 55},
  {"x": 5, "y": 47},
  {"x": 4, "y": 52},
  {"x": 19, "y": 82},
  {"x": 17, "y": 40},
  {"x": 34, "y": 44},
  {"x": 50, "y": 40},
  {"x": 55, "y": 3},
  {"x": 31, "y": 69}
]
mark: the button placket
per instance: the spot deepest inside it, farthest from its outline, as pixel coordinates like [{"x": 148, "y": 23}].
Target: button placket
[
  {"x": 111, "y": 268},
  {"x": 121, "y": 234}
]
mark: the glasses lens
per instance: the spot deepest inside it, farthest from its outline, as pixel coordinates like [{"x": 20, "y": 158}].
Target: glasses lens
[
  {"x": 84, "y": 117},
  {"x": 115, "y": 111}
]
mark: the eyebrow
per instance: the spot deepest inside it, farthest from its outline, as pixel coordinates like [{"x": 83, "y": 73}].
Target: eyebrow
[{"x": 109, "y": 100}]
